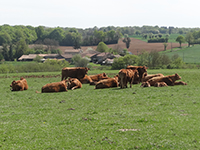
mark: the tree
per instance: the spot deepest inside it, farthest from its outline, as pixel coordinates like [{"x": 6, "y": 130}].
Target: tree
[
  {"x": 5, "y": 38},
  {"x": 165, "y": 46},
  {"x": 5, "y": 52},
  {"x": 180, "y": 39},
  {"x": 78, "y": 61},
  {"x": 21, "y": 48},
  {"x": 189, "y": 38},
  {"x": 127, "y": 40},
  {"x": 57, "y": 34},
  {"x": 40, "y": 32},
  {"x": 102, "y": 47},
  {"x": 11, "y": 55}
]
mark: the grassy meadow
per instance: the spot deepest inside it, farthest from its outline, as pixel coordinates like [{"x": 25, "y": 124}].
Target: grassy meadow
[
  {"x": 155, "y": 118},
  {"x": 188, "y": 54}
]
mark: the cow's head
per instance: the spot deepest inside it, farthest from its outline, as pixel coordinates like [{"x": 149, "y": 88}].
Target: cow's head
[
  {"x": 13, "y": 83},
  {"x": 177, "y": 77}
]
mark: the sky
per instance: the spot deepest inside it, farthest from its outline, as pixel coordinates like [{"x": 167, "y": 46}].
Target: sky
[{"x": 100, "y": 13}]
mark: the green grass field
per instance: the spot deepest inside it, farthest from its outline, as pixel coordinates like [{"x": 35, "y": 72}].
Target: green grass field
[
  {"x": 160, "y": 118},
  {"x": 188, "y": 54}
]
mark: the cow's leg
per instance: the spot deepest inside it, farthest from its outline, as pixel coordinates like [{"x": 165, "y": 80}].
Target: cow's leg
[{"x": 75, "y": 87}]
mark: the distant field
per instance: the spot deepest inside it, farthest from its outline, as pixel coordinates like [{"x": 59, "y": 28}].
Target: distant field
[
  {"x": 88, "y": 119},
  {"x": 188, "y": 54},
  {"x": 172, "y": 37}
]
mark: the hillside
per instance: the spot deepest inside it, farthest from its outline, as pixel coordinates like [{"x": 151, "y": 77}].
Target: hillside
[{"x": 136, "y": 46}]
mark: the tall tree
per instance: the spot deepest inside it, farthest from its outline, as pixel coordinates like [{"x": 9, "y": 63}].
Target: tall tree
[
  {"x": 189, "y": 38},
  {"x": 180, "y": 39},
  {"x": 127, "y": 40},
  {"x": 21, "y": 48}
]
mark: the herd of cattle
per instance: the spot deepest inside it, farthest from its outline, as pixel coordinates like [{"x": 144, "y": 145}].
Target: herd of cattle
[{"x": 74, "y": 77}]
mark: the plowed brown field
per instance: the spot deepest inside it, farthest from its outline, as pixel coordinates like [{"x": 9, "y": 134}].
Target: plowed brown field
[{"x": 136, "y": 46}]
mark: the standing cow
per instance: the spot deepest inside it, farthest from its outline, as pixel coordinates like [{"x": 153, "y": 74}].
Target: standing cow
[
  {"x": 74, "y": 72},
  {"x": 141, "y": 70},
  {"x": 127, "y": 75}
]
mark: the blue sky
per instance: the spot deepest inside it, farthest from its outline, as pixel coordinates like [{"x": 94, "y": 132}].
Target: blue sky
[{"x": 103, "y": 13}]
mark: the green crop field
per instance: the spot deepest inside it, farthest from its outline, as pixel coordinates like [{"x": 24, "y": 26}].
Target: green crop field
[
  {"x": 154, "y": 118},
  {"x": 188, "y": 54}
]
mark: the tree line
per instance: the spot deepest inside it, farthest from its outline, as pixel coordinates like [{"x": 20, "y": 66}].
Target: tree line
[{"x": 15, "y": 39}]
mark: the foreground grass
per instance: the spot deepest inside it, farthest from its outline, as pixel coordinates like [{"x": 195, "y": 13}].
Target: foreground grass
[{"x": 163, "y": 118}]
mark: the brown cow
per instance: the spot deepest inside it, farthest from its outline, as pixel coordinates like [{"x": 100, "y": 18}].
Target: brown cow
[
  {"x": 19, "y": 85},
  {"x": 74, "y": 72},
  {"x": 127, "y": 75},
  {"x": 98, "y": 77},
  {"x": 160, "y": 84},
  {"x": 107, "y": 83},
  {"x": 55, "y": 87},
  {"x": 146, "y": 76},
  {"x": 169, "y": 80},
  {"x": 141, "y": 70},
  {"x": 86, "y": 79},
  {"x": 74, "y": 84},
  {"x": 180, "y": 83}
]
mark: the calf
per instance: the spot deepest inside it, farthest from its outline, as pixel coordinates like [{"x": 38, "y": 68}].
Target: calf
[{"x": 19, "y": 85}]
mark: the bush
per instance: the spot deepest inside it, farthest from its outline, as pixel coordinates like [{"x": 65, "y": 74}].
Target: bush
[
  {"x": 158, "y": 40},
  {"x": 122, "y": 62}
]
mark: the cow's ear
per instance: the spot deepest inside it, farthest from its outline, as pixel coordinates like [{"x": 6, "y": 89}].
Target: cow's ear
[{"x": 104, "y": 74}]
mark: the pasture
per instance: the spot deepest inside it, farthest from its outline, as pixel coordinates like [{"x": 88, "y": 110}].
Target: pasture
[
  {"x": 155, "y": 118},
  {"x": 188, "y": 54}
]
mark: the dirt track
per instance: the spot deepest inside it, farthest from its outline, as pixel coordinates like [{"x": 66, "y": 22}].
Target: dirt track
[{"x": 136, "y": 46}]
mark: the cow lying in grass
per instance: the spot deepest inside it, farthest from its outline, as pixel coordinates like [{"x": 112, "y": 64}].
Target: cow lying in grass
[
  {"x": 19, "y": 85},
  {"x": 169, "y": 80},
  {"x": 107, "y": 83},
  {"x": 163, "y": 81},
  {"x": 147, "y": 77},
  {"x": 74, "y": 84},
  {"x": 93, "y": 79},
  {"x": 86, "y": 80},
  {"x": 55, "y": 87}
]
